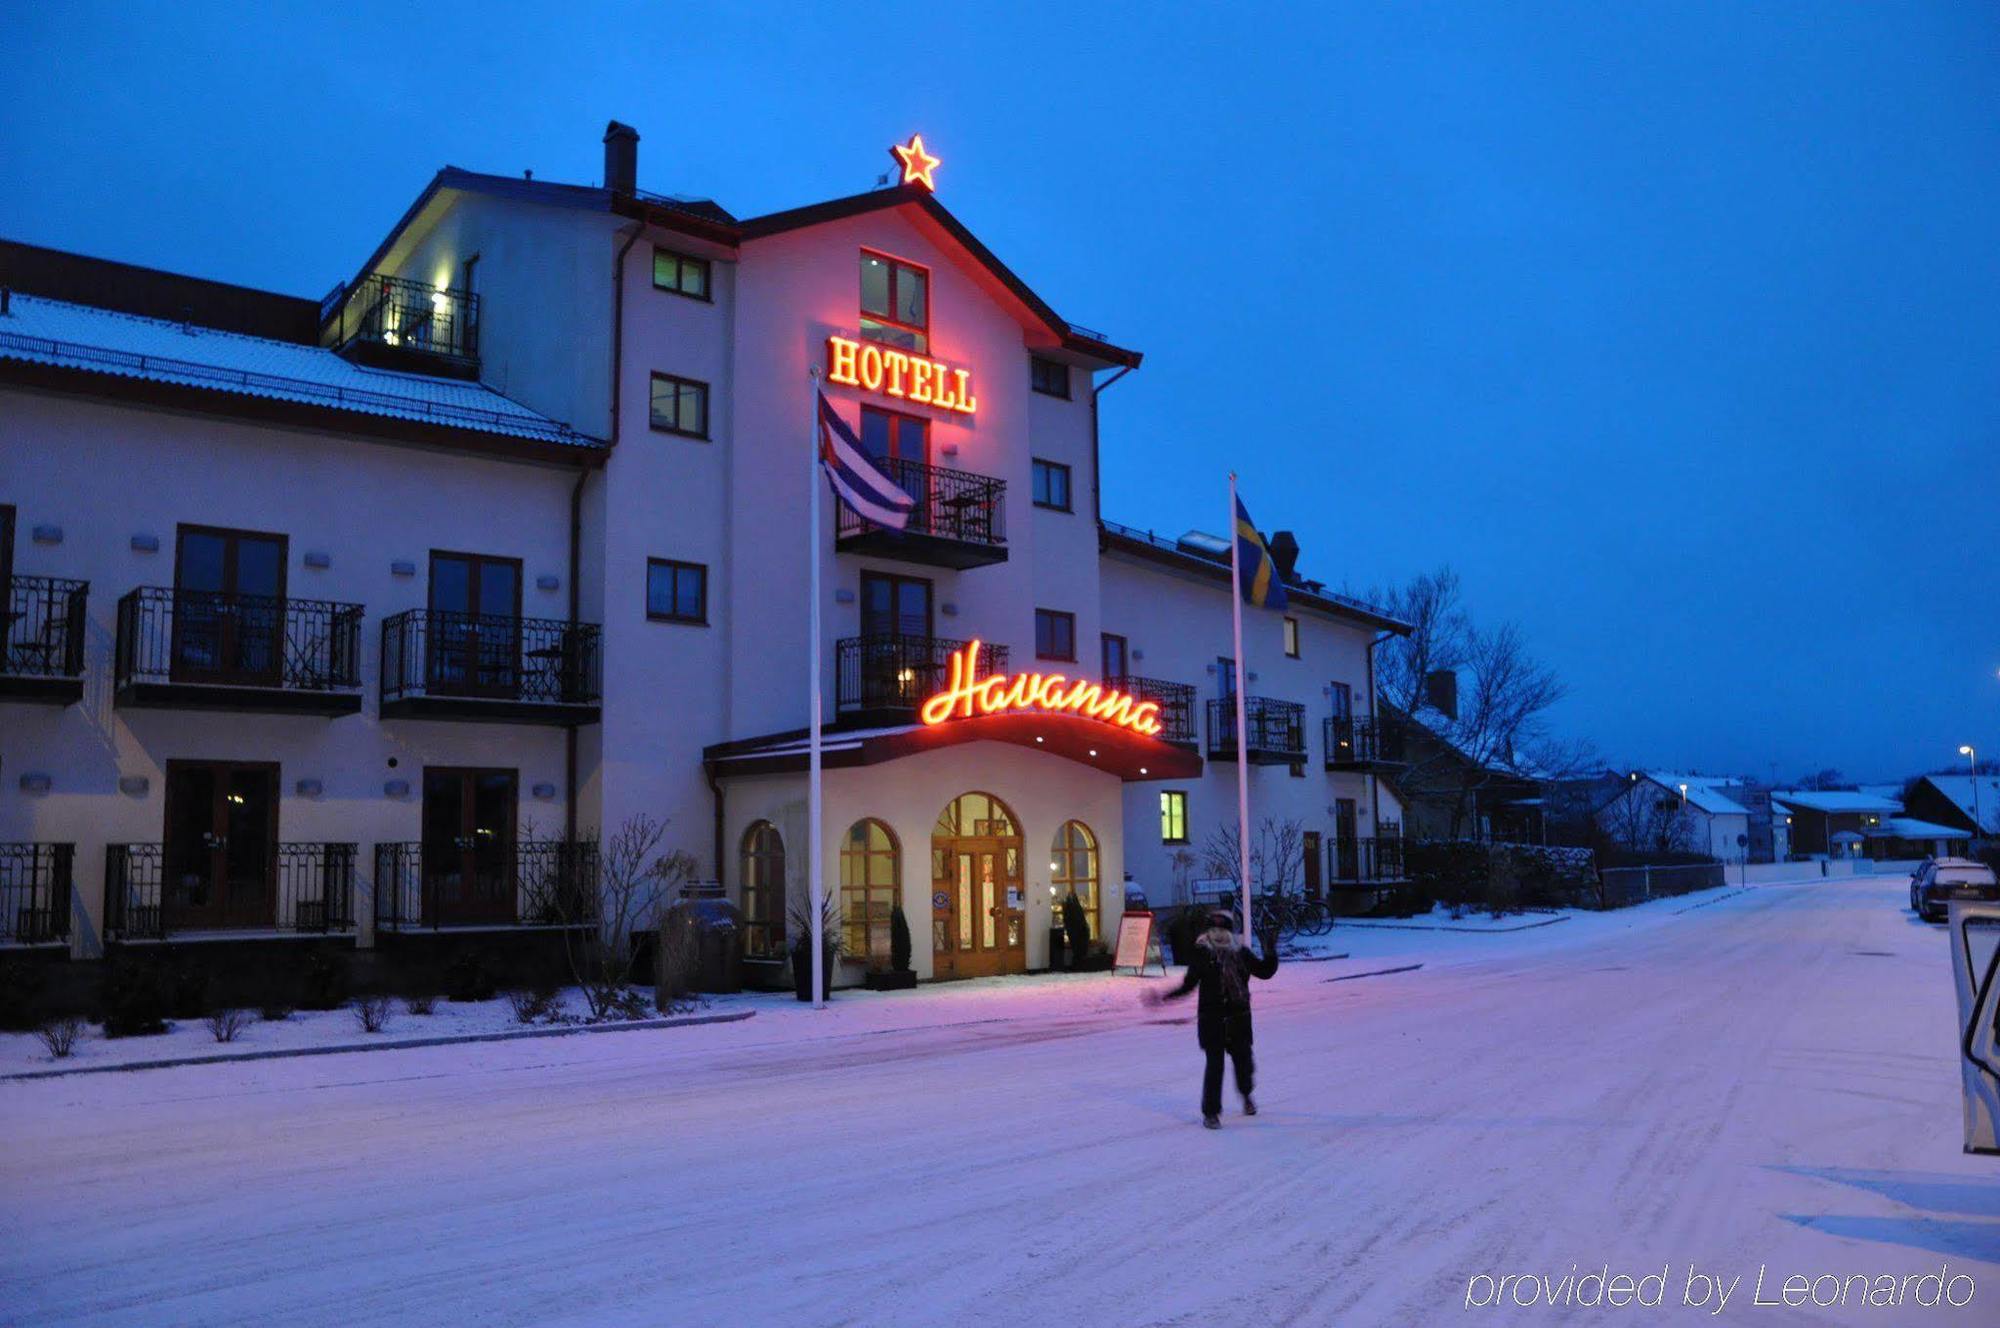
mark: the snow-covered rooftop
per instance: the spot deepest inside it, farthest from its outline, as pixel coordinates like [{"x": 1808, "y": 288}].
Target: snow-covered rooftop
[
  {"x": 1836, "y": 800},
  {"x": 1908, "y": 827},
  {"x": 81, "y": 337},
  {"x": 1703, "y": 792},
  {"x": 1958, "y": 788}
]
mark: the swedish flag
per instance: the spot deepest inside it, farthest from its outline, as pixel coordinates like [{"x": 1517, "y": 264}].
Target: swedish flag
[{"x": 1256, "y": 572}]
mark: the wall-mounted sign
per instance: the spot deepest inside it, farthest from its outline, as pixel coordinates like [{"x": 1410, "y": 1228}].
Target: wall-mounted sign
[
  {"x": 968, "y": 694},
  {"x": 897, "y": 373}
]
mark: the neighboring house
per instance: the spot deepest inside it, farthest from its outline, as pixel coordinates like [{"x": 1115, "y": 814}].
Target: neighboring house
[
  {"x": 1447, "y": 794},
  {"x": 1664, "y": 811},
  {"x": 1834, "y": 822},
  {"x": 458, "y": 640},
  {"x": 1963, "y": 802}
]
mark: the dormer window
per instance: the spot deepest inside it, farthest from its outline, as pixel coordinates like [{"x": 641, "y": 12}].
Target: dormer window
[{"x": 895, "y": 303}]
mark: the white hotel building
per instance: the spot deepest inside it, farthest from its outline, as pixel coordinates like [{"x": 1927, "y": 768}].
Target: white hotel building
[{"x": 358, "y": 620}]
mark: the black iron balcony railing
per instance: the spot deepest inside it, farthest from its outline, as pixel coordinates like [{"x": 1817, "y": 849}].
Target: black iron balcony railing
[
  {"x": 951, "y": 504},
  {"x": 35, "y": 882},
  {"x": 884, "y": 673},
  {"x": 409, "y": 316},
  {"x": 475, "y": 882},
  {"x": 439, "y": 653},
  {"x": 1277, "y": 728},
  {"x": 1364, "y": 861},
  {"x": 1359, "y": 740},
  {"x": 1175, "y": 699},
  {"x": 222, "y": 639},
  {"x": 153, "y": 891},
  {"x": 41, "y": 627}
]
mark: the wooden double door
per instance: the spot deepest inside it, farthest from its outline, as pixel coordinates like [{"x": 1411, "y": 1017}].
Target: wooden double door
[
  {"x": 978, "y": 907},
  {"x": 470, "y": 821},
  {"x": 221, "y": 846}
]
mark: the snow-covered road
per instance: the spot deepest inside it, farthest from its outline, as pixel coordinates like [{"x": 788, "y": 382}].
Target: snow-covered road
[{"x": 1767, "y": 1080}]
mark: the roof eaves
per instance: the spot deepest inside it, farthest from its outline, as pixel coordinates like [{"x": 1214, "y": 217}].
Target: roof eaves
[{"x": 1114, "y": 537}]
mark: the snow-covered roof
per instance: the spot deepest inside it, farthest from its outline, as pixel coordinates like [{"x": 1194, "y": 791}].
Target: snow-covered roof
[
  {"x": 1958, "y": 788},
  {"x": 1704, "y": 792},
  {"x": 93, "y": 340},
  {"x": 1908, "y": 827},
  {"x": 1836, "y": 800}
]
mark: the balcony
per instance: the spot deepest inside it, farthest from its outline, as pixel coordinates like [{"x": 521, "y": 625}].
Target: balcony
[
  {"x": 465, "y": 882},
  {"x": 1176, "y": 702},
  {"x": 958, "y": 521},
  {"x": 35, "y": 893},
  {"x": 41, "y": 640},
  {"x": 216, "y": 650},
  {"x": 297, "y": 889},
  {"x": 1277, "y": 730},
  {"x": 397, "y": 324},
  {"x": 1356, "y": 863},
  {"x": 438, "y": 664},
  {"x": 883, "y": 679},
  {"x": 1360, "y": 743}
]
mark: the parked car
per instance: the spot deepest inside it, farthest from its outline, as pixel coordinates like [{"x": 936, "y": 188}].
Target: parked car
[{"x": 1943, "y": 879}]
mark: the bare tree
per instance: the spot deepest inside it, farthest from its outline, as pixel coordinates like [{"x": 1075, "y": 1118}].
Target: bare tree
[
  {"x": 1220, "y": 858},
  {"x": 1649, "y": 819},
  {"x": 1183, "y": 863},
  {"x": 1440, "y": 637},
  {"x": 636, "y": 875},
  {"x": 1284, "y": 850}
]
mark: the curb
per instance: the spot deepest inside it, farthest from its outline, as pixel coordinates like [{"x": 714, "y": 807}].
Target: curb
[
  {"x": 1374, "y": 973},
  {"x": 1462, "y": 931},
  {"x": 290, "y": 1053}
]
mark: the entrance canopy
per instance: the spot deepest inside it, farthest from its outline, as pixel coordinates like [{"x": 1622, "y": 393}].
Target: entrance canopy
[{"x": 1130, "y": 756}]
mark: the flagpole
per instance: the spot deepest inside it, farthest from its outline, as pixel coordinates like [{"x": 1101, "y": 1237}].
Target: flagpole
[
  {"x": 1242, "y": 732},
  {"x": 815, "y": 882}
]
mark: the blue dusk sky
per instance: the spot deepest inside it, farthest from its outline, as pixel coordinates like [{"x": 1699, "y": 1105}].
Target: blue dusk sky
[{"x": 1673, "y": 327}]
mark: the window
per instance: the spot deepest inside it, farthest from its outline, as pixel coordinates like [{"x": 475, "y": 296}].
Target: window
[
  {"x": 1051, "y": 485},
  {"x": 1073, "y": 866},
  {"x": 895, "y": 303},
  {"x": 1049, "y": 377},
  {"x": 763, "y": 875},
  {"x": 680, "y": 405},
  {"x": 1225, "y": 677},
  {"x": 1173, "y": 817},
  {"x": 680, "y": 274},
  {"x": 1055, "y": 634},
  {"x": 676, "y": 592},
  {"x": 887, "y": 436},
  {"x": 1116, "y": 656},
  {"x": 869, "y": 890},
  {"x": 1292, "y": 637}
]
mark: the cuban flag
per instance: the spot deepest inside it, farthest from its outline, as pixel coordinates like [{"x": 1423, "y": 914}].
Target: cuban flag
[
  {"x": 1261, "y": 584},
  {"x": 857, "y": 481}
]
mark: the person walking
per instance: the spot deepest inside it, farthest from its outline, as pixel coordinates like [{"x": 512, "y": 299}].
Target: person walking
[{"x": 1219, "y": 971}]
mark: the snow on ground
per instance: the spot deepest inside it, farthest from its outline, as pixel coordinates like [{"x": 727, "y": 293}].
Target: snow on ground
[{"x": 1764, "y": 1077}]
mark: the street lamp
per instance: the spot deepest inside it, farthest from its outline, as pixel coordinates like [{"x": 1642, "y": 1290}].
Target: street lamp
[{"x": 1972, "y": 769}]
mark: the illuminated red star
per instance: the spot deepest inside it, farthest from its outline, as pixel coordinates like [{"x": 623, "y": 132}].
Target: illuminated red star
[{"x": 917, "y": 163}]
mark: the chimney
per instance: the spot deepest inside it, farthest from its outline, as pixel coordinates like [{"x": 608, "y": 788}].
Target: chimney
[
  {"x": 621, "y": 158},
  {"x": 1441, "y": 690},
  {"x": 1285, "y": 553}
]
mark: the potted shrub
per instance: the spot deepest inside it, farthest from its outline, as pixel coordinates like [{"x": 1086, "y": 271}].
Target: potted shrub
[
  {"x": 798, "y": 922},
  {"x": 900, "y": 976}
]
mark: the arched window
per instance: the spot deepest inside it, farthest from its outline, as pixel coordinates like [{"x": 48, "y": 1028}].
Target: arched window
[
  {"x": 763, "y": 890},
  {"x": 1073, "y": 866},
  {"x": 870, "y": 886}
]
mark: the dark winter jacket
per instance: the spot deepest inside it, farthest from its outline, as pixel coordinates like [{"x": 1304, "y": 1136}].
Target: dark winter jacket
[{"x": 1220, "y": 972}]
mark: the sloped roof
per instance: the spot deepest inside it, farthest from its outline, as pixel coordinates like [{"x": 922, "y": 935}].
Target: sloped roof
[
  {"x": 84, "y": 339},
  {"x": 1908, "y": 827},
  {"x": 1958, "y": 790},
  {"x": 1837, "y": 800},
  {"x": 1112, "y": 536},
  {"x": 1703, "y": 792}
]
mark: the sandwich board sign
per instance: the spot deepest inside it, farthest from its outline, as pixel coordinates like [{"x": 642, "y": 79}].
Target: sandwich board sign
[
  {"x": 1138, "y": 946},
  {"x": 1975, "y": 971}
]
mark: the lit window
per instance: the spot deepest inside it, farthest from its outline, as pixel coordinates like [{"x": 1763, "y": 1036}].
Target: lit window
[
  {"x": 1173, "y": 817},
  {"x": 680, "y": 405},
  {"x": 1073, "y": 866},
  {"x": 895, "y": 302},
  {"x": 1051, "y": 485},
  {"x": 680, "y": 274},
  {"x": 1055, "y": 634},
  {"x": 1049, "y": 377},
  {"x": 676, "y": 592},
  {"x": 763, "y": 876},
  {"x": 869, "y": 890}
]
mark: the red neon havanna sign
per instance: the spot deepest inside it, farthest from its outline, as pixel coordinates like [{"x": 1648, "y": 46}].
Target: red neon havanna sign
[
  {"x": 967, "y": 695},
  {"x": 897, "y": 373}
]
